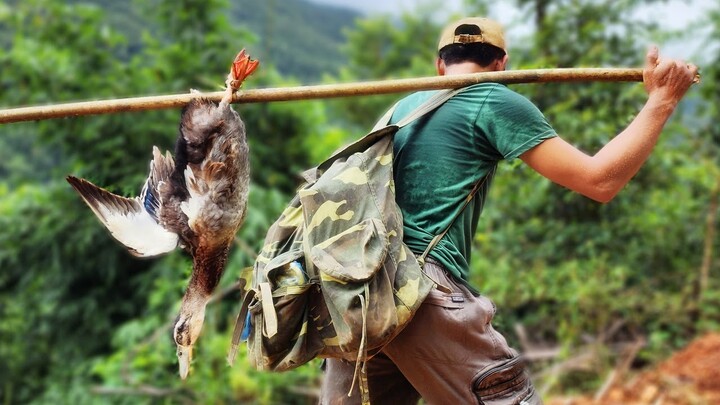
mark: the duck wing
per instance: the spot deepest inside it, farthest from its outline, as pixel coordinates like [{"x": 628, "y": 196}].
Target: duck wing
[
  {"x": 161, "y": 169},
  {"x": 133, "y": 221}
]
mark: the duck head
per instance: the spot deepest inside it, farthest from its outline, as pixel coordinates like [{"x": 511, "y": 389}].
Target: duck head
[{"x": 186, "y": 331}]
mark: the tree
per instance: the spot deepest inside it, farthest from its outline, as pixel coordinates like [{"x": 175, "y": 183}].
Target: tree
[
  {"x": 704, "y": 307},
  {"x": 50, "y": 318},
  {"x": 582, "y": 268},
  {"x": 382, "y": 48},
  {"x": 77, "y": 309},
  {"x": 564, "y": 266}
]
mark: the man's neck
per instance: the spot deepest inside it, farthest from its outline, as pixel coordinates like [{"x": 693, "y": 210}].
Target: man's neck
[{"x": 468, "y": 68}]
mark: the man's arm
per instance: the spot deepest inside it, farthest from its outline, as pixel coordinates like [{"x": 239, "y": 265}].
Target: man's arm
[{"x": 603, "y": 175}]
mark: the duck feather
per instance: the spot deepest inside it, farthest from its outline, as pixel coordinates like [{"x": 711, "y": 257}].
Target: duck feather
[{"x": 127, "y": 219}]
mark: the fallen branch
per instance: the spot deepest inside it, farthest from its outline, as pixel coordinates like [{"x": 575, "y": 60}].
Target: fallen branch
[
  {"x": 180, "y": 395},
  {"x": 322, "y": 91},
  {"x": 140, "y": 390},
  {"x": 620, "y": 370},
  {"x": 710, "y": 229}
]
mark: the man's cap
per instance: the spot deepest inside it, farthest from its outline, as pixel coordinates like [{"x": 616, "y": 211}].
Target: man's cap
[{"x": 490, "y": 32}]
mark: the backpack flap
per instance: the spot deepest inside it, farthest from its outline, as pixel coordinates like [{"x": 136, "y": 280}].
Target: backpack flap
[
  {"x": 353, "y": 255},
  {"x": 353, "y": 229},
  {"x": 358, "y": 146}
]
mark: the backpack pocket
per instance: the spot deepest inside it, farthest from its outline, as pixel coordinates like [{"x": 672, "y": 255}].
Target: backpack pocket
[
  {"x": 354, "y": 255},
  {"x": 284, "y": 314},
  {"x": 295, "y": 342},
  {"x": 359, "y": 297}
]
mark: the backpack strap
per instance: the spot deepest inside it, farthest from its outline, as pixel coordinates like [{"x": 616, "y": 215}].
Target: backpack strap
[
  {"x": 243, "y": 285},
  {"x": 421, "y": 259},
  {"x": 432, "y": 103},
  {"x": 239, "y": 326},
  {"x": 382, "y": 128}
]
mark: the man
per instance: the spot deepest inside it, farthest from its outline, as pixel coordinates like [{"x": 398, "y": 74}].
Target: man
[{"x": 450, "y": 353}]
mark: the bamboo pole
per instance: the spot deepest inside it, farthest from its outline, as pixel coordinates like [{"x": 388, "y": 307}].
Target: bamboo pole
[{"x": 322, "y": 91}]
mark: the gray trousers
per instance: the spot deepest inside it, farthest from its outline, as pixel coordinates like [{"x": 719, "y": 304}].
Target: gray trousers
[{"x": 448, "y": 354}]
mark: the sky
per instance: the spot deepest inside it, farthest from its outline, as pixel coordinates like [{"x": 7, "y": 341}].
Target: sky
[{"x": 675, "y": 14}]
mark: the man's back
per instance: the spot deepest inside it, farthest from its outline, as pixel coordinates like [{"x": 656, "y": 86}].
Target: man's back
[{"x": 439, "y": 159}]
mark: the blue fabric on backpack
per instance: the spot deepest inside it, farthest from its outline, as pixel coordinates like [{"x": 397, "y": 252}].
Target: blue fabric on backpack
[{"x": 246, "y": 330}]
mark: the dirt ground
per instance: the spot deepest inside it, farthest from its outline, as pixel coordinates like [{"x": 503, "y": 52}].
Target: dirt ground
[{"x": 690, "y": 377}]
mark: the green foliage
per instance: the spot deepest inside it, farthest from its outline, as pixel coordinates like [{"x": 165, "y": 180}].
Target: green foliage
[
  {"x": 568, "y": 268},
  {"x": 288, "y": 37},
  {"x": 383, "y": 48},
  {"x": 81, "y": 321},
  {"x": 299, "y": 38}
]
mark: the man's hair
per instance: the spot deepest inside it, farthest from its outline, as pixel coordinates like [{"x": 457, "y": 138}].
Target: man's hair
[
  {"x": 478, "y": 52},
  {"x": 482, "y": 54}
]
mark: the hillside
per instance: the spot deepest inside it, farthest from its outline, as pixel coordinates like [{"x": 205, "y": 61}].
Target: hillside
[
  {"x": 300, "y": 38},
  {"x": 688, "y": 377}
]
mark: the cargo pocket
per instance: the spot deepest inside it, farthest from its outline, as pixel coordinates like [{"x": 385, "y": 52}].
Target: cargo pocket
[
  {"x": 506, "y": 383},
  {"x": 443, "y": 315}
]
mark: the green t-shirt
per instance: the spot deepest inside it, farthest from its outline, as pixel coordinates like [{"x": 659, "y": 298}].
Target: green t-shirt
[{"x": 440, "y": 157}]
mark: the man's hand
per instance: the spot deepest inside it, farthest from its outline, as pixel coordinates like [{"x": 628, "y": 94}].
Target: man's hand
[{"x": 667, "y": 79}]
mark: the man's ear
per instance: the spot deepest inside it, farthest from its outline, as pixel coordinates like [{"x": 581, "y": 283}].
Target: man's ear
[
  {"x": 503, "y": 62},
  {"x": 440, "y": 67}
]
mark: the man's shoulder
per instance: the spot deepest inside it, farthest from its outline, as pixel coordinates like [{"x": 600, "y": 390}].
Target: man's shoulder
[
  {"x": 478, "y": 95},
  {"x": 415, "y": 99},
  {"x": 499, "y": 96},
  {"x": 405, "y": 105},
  {"x": 494, "y": 89}
]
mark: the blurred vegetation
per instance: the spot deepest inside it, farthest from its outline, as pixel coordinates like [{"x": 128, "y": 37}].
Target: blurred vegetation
[
  {"x": 289, "y": 37},
  {"x": 81, "y": 321}
]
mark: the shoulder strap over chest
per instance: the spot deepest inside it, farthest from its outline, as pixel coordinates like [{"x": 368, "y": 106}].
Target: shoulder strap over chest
[
  {"x": 383, "y": 128},
  {"x": 435, "y": 101}
]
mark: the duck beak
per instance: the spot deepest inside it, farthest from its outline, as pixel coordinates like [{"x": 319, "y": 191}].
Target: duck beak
[{"x": 184, "y": 355}]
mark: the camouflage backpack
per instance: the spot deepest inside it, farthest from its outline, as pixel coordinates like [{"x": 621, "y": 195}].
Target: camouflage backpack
[{"x": 334, "y": 278}]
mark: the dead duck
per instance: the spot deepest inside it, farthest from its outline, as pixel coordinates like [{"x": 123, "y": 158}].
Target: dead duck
[{"x": 196, "y": 200}]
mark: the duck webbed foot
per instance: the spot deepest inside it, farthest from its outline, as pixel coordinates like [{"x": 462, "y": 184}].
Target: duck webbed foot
[{"x": 241, "y": 68}]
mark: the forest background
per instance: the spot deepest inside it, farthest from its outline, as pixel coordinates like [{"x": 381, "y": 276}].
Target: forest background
[{"x": 82, "y": 321}]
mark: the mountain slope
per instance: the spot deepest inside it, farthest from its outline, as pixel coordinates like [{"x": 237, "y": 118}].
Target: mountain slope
[{"x": 300, "y": 38}]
